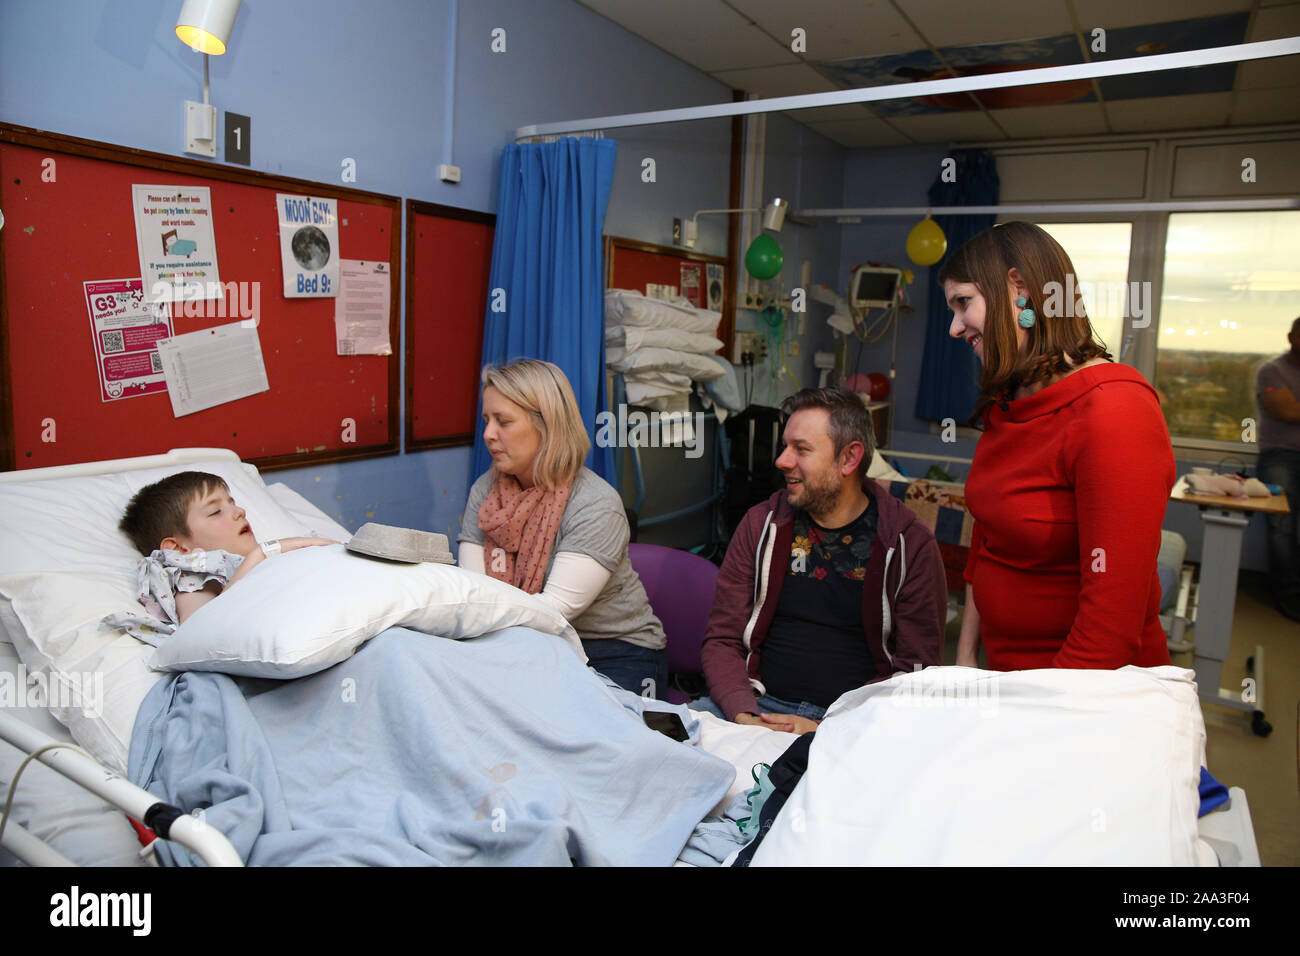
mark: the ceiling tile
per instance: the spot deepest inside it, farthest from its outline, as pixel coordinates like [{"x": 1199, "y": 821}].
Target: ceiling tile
[
  {"x": 835, "y": 29},
  {"x": 1279, "y": 71},
  {"x": 708, "y": 34},
  {"x": 1265, "y": 106},
  {"x": 860, "y": 134},
  {"x": 1039, "y": 122},
  {"x": 1276, "y": 23},
  {"x": 1113, "y": 14},
  {"x": 786, "y": 80},
  {"x": 945, "y": 23},
  {"x": 947, "y": 127},
  {"x": 1169, "y": 112}
]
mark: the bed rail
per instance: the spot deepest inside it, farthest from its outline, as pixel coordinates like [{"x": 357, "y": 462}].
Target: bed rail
[{"x": 169, "y": 822}]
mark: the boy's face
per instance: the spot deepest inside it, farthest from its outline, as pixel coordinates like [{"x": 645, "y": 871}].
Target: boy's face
[{"x": 216, "y": 524}]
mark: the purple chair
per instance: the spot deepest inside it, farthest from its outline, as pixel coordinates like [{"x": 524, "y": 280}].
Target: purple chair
[{"x": 680, "y": 587}]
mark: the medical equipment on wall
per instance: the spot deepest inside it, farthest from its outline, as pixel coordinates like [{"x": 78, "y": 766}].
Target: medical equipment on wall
[
  {"x": 824, "y": 362},
  {"x": 773, "y": 321},
  {"x": 874, "y": 287}
]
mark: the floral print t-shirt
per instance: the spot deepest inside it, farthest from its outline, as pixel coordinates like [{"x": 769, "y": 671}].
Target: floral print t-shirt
[
  {"x": 816, "y": 648},
  {"x": 160, "y": 577}
]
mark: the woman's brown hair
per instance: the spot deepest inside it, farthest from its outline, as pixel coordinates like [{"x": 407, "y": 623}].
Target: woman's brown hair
[{"x": 1061, "y": 337}]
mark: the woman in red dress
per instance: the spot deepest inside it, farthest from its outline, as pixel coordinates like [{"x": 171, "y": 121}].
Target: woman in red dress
[{"x": 1071, "y": 476}]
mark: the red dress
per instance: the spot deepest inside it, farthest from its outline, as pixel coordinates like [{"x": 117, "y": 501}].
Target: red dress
[{"x": 1068, "y": 489}]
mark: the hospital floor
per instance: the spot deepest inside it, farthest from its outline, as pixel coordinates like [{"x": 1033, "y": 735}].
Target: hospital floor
[{"x": 1267, "y": 768}]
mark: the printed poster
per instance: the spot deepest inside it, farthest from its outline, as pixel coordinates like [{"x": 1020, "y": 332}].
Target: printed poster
[
  {"x": 178, "y": 250},
  {"x": 126, "y": 330},
  {"x": 690, "y": 272},
  {"x": 361, "y": 309},
  {"x": 309, "y": 246},
  {"x": 213, "y": 366}
]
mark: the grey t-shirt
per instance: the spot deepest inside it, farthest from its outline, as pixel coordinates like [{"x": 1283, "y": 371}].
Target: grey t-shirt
[
  {"x": 1280, "y": 372},
  {"x": 593, "y": 524}
]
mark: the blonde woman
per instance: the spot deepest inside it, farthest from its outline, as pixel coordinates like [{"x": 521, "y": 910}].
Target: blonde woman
[{"x": 541, "y": 521}]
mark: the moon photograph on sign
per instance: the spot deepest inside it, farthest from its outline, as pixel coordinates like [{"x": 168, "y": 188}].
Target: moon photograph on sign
[{"x": 311, "y": 248}]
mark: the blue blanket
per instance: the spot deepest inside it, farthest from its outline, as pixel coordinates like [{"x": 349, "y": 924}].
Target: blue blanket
[{"x": 504, "y": 749}]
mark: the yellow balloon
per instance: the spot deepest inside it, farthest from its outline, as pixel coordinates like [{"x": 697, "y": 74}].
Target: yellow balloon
[{"x": 926, "y": 243}]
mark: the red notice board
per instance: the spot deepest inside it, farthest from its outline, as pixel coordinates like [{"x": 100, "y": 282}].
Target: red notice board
[
  {"x": 448, "y": 258},
  {"x": 69, "y": 219}
]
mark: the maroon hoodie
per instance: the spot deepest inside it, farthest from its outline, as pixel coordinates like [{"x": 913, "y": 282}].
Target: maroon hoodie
[{"x": 904, "y": 597}]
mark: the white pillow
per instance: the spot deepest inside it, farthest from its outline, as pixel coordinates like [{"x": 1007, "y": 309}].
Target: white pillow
[
  {"x": 621, "y": 336},
  {"x": 881, "y": 468},
  {"x": 624, "y": 307},
  {"x": 316, "y": 521},
  {"x": 698, "y": 367},
  {"x": 673, "y": 380},
  {"x": 309, "y": 609},
  {"x": 63, "y": 642}
]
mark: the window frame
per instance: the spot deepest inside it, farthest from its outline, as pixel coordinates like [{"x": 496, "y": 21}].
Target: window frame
[{"x": 1139, "y": 348}]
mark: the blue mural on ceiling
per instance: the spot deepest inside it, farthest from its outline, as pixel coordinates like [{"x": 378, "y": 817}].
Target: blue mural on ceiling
[{"x": 1177, "y": 36}]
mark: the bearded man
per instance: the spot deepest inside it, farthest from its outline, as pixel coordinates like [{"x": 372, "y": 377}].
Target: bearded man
[{"x": 828, "y": 585}]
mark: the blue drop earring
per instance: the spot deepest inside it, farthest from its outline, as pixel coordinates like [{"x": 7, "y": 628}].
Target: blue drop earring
[{"x": 1027, "y": 317}]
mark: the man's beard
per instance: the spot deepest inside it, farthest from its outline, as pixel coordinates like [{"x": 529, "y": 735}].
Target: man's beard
[{"x": 818, "y": 499}]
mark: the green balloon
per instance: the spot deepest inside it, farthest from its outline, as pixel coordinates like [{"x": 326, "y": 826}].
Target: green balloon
[{"x": 764, "y": 258}]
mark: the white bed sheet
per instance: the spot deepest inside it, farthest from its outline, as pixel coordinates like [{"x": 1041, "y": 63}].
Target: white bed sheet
[{"x": 51, "y": 807}]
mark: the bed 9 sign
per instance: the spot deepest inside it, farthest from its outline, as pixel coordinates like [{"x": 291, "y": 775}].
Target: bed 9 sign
[{"x": 318, "y": 284}]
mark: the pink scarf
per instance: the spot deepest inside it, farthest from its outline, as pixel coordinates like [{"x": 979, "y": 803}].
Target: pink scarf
[{"x": 519, "y": 529}]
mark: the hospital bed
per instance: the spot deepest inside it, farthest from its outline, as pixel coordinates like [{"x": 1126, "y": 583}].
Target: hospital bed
[{"x": 51, "y": 802}]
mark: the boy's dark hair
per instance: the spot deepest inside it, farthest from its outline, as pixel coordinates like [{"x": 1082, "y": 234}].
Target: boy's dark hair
[
  {"x": 161, "y": 510},
  {"x": 849, "y": 419}
]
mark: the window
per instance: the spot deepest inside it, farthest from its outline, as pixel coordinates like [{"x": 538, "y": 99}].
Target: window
[
  {"x": 1100, "y": 252},
  {"x": 1231, "y": 290}
]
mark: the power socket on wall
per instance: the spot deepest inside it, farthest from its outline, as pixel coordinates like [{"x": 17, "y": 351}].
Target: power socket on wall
[{"x": 752, "y": 344}]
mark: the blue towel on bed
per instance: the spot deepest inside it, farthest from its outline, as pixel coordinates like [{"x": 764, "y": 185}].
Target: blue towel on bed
[
  {"x": 504, "y": 749},
  {"x": 1213, "y": 793}
]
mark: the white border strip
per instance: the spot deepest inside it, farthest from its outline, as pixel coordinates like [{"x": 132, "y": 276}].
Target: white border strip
[
  {"x": 1182, "y": 205},
  {"x": 961, "y": 84}
]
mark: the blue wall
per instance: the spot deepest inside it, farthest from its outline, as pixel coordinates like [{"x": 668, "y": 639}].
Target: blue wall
[{"x": 329, "y": 80}]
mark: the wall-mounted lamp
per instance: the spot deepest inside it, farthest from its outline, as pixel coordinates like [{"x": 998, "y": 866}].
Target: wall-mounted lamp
[
  {"x": 204, "y": 26},
  {"x": 773, "y": 219}
]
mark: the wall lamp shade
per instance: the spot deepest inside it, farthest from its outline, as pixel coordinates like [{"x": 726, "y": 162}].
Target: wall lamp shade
[
  {"x": 774, "y": 214},
  {"x": 205, "y": 25},
  {"x": 773, "y": 219}
]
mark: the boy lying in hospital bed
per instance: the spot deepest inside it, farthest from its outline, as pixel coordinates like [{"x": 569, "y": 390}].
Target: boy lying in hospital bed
[{"x": 196, "y": 543}]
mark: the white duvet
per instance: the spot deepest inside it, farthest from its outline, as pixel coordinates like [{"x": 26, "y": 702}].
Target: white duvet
[{"x": 955, "y": 766}]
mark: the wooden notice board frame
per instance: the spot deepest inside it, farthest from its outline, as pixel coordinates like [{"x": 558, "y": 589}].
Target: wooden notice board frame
[
  {"x": 69, "y": 219},
  {"x": 448, "y": 260},
  {"x": 642, "y": 262}
]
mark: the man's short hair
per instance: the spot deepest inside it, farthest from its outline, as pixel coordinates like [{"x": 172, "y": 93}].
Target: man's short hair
[
  {"x": 849, "y": 419},
  {"x": 162, "y": 510}
]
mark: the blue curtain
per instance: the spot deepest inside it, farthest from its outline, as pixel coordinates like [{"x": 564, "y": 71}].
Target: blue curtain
[
  {"x": 949, "y": 369},
  {"x": 548, "y": 259}
]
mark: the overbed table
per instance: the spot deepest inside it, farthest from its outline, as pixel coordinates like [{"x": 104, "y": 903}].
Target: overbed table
[{"x": 1224, "y": 519}]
